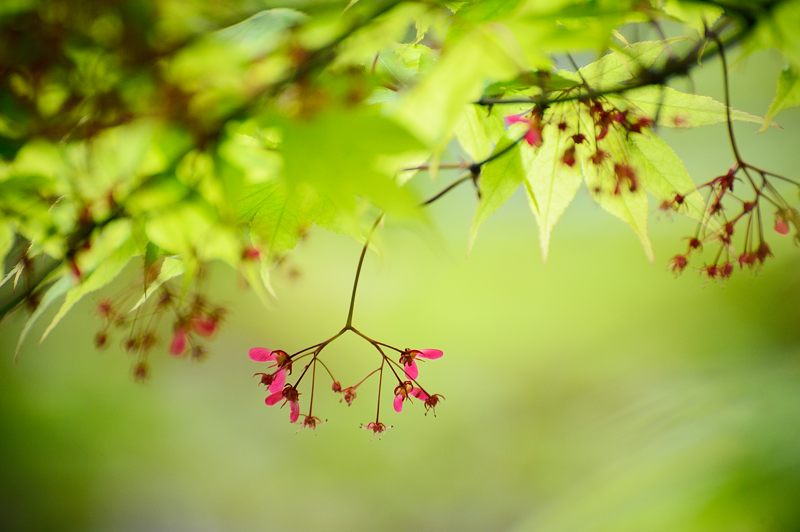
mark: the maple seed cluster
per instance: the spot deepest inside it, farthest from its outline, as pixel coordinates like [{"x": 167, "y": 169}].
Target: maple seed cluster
[
  {"x": 605, "y": 118},
  {"x": 190, "y": 321},
  {"x": 733, "y": 225},
  {"x": 404, "y": 369}
]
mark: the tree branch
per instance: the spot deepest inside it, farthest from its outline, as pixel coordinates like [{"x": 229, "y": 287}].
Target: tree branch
[{"x": 673, "y": 68}]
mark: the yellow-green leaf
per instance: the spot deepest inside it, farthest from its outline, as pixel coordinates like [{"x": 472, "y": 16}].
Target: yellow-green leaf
[
  {"x": 679, "y": 109},
  {"x": 551, "y": 185},
  {"x": 662, "y": 172},
  {"x": 787, "y": 94},
  {"x": 106, "y": 272},
  {"x": 498, "y": 181}
]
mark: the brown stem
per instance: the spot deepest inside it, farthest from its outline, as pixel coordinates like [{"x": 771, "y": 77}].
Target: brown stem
[{"x": 349, "y": 322}]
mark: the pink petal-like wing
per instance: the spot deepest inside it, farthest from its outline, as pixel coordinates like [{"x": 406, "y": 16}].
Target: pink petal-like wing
[
  {"x": 273, "y": 398},
  {"x": 514, "y": 119},
  {"x": 419, "y": 394},
  {"x": 533, "y": 137},
  {"x": 178, "y": 344},
  {"x": 260, "y": 354},
  {"x": 277, "y": 383},
  {"x": 294, "y": 411},
  {"x": 430, "y": 354},
  {"x": 398, "y": 403},
  {"x": 411, "y": 369},
  {"x": 205, "y": 326}
]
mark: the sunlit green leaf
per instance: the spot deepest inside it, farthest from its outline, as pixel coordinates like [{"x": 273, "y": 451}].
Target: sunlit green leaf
[
  {"x": 258, "y": 278},
  {"x": 105, "y": 273},
  {"x": 6, "y": 241},
  {"x": 696, "y": 15},
  {"x": 191, "y": 229},
  {"x": 478, "y": 131},
  {"x": 778, "y": 29},
  {"x": 55, "y": 291},
  {"x": 433, "y": 107},
  {"x": 663, "y": 174},
  {"x": 630, "y": 206},
  {"x": 278, "y": 214},
  {"x": 550, "y": 183},
  {"x": 625, "y": 63},
  {"x": 498, "y": 181},
  {"x": 261, "y": 33},
  {"x": 170, "y": 268},
  {"x": 680, "y": 109},
  {"x": 351, "y": 152},
  {"x": 787, "y": 94}
]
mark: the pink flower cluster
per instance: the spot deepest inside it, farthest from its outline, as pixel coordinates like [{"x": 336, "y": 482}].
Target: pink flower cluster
[
  {"x": 409, "y": 356},
  {"x": 533, "y": 135},
  {"x": 733, "y": 225},
  {"x": 192, "y": 319},
  {"x": 280, "y": 366},
  {"x": 275, "y": 380}
]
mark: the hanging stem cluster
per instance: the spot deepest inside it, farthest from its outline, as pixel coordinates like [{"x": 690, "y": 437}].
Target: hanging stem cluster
[
  {"x": 191, "y": 319},
  {"x": 404, "y": 370},
  {"x": 726, "y": 210}
]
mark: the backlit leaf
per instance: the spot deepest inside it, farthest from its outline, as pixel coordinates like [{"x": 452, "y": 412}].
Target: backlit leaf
[
  {"x": 550, "y": 183},
  {"x": 680, "y": 109},
  {"x": 498, "y": 181},
  {"x": 106, "y": 272},
  {"x": 787, "y": 94}
]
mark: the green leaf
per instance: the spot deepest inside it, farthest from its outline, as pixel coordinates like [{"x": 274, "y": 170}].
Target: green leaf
[
  {"x": 158, "y": 193},
  {"x": 55, "y": 291},
  {"x": 13, "y": 273},
  {"x": 277, "y": 214},
  {"x": 347, "y": 155},
  {"x": 551, "y": 185},
  {"x": 261, "y": 33},
  {"x": 498, "y": 181},
  {"x": 6, "y": 241},
  {"x": 779, "y": 30},
  {"x": 104, "y": 244},
  {"x": 432, "y": 108},
  {"x": 170, "y": 268},
  {"x": 115, "y": 155},
  {"x": 478, "y": 131},
  {"x": 787, "y": 94},
  {"x": 663, "y": 174},
  {"x": 544, "y": 27},
  {"x": 192, "y": 230},
  {"x": 626, "y": 63},
  {"x": 679, "y": 109},
  {"x": 362, "y": 47},
  {"x": 629, "y": 206},
  {"x": 106, "y": 272},
  {"x": 257, "y": 275},
  {"x": 698, "y": 16}
]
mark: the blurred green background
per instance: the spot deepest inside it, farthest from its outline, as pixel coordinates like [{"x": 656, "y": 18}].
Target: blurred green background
[{"x": 593, "y": 392}]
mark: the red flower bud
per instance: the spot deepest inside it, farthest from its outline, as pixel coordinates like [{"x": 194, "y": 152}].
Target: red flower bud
[
  {"x": 569, "y": 156},
  {"x": 251, "y": 253}
]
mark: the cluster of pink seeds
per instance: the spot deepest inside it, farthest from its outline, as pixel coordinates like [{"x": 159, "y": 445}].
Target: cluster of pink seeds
[
  {"x": 605, "y": 118},
  {"x": 279, "y": 391},
  {"x": 190, "y": 322},
  {"x": 728, "y": 214}
]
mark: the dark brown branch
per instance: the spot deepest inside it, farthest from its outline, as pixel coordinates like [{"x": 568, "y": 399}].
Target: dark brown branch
[{"x": 645, "y": 78}]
